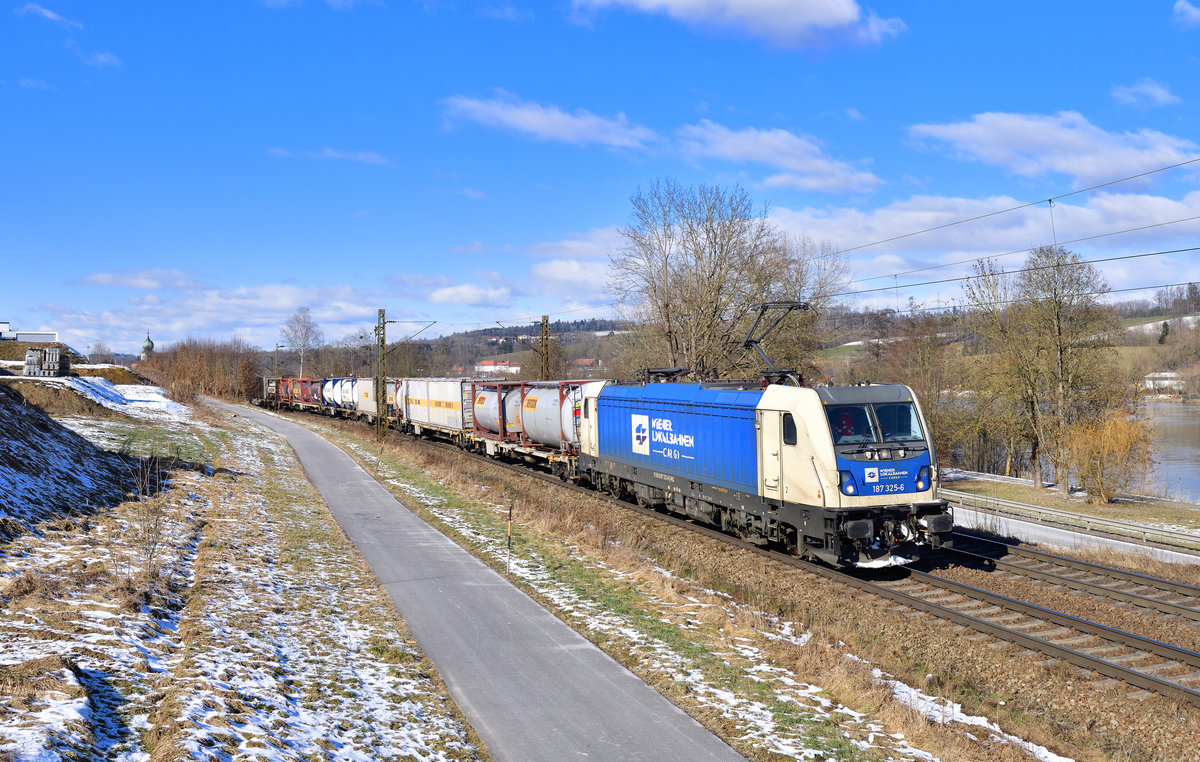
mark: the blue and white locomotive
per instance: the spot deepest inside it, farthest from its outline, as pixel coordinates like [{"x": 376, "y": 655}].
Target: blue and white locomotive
[{"x": 844, "y": 474}]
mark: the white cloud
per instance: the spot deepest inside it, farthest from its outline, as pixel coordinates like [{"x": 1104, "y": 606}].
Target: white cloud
[
  {"x": 147, "y": 278},
  {"x": 254, "y": 313},
  {"x": 471, "y": 295},
  {"x": 473, "y": 194},
  {"x": 1144, "y": 93},
  {"x": 1066, "y": 142},
  {"x": 805, "y": 165},
  {"x": 362, "y": 157},
  {"x": 280, "y": 153},
  {"x": 504, "y": 11},
  {"x": 597, "y": 243},
  {"x": 549, "y": 123},
  {"x": 784, "y": 22},
  {"x": 49, "y": 15},
  {"x": 1186, "y": 14},
  {"x": 563, "y": 278},
  {"x": 100, "y": 59},
  {"x": 32, "y": 84}
]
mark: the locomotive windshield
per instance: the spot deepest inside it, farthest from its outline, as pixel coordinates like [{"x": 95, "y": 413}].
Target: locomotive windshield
[{"x": 874, "y": 423}]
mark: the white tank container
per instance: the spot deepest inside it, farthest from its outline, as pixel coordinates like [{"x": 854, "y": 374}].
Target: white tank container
[
  {"x": 327, "y": 391},
  {"x": 549, "y": 416},
  {"x": 487, "y": 410},
  {"x": 345, "y": 393}
]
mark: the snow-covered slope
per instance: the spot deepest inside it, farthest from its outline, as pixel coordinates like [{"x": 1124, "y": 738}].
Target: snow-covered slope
[{"x": 47, "y": 470}]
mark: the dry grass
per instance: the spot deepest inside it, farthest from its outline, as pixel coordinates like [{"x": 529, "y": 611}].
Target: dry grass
[
  {"x": 59, "y": 401},
  {"x": 38, "y": 678},
  {"x": 15, "y": 350},
  {"x": 1187, "y": 574},
  {"x": 116, "y": 375},
  {"x": 1047, "y": 706}
]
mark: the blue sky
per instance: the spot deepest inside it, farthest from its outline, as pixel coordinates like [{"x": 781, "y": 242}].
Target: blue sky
[{"x": 205, "y": 169}]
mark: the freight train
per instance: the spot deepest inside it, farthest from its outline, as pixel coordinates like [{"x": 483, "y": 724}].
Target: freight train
[{"x": 847, "y": 475}]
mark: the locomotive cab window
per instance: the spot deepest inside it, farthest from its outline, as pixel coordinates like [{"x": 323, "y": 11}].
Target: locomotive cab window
[
  {"x": 851, "y": 424},
  {"x": 789, "y": 429},
  {"x": 898, "y": 423},
  {"x": 874, "y": 423}
]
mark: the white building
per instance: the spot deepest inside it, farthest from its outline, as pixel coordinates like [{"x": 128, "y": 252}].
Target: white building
[
  {"x": 7, "y": 334},
  {"x": 498, "y": 368},
  {"x": 1167, "y": 381}
]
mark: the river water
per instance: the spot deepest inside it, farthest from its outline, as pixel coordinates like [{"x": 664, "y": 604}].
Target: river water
[{"x": 1178, "y": 459}]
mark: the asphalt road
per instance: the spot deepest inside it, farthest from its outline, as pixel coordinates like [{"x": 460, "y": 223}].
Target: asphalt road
[{"x": 531, "y": 686}]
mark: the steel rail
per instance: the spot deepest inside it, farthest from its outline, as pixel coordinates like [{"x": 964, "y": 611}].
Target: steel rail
[
  {"x": 1145, "y": 601},
  {"x": 1111, "y": 527},
  {"x": 1078, "y": 658},
  {"x": 1159, "y": 583},
  {"x": 1111, "y": 634}
]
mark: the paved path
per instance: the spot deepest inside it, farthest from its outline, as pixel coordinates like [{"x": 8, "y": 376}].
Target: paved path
[{"x": 531, "y": 686}]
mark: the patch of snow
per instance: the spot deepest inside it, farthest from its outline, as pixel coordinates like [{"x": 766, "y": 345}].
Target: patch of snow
[{"x": 943, "y": 711}]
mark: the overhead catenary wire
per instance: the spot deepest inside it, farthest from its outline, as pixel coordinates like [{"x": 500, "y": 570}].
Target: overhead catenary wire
[
  {"x": 1018, "y": 207},
  {"x": 847, "y": 317},
  {"x": 1025, "y": 250},
  {"x": 1015, "y": 272}
]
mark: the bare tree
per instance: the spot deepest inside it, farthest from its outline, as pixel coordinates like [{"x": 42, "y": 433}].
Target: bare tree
[
  {"x": 101, "y": 353},
  {"x": 696, "y": 264},
  {"x": 1049, "y": 339},
  {"x": 302, "y": 334}
]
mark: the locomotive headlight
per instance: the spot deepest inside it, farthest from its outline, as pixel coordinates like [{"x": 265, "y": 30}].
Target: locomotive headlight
[
  {"x": 923, "y": 479},
  {"x": 846, "y": 481}
]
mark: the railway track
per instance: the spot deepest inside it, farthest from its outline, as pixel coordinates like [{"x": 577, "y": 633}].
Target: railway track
[
  {"x": 1143, "y": 665},
  {"x": 1146, "y": 666},
  {"x": 1173, "y": 599}
]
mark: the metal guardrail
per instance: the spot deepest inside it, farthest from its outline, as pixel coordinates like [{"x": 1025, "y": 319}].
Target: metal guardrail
[{"x": 1045, "y": 515}]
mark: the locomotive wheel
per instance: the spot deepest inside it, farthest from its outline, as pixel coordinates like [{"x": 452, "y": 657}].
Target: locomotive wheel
[
  {"x": 791, "y": 541},
  {"x": 727, "y": 522}
]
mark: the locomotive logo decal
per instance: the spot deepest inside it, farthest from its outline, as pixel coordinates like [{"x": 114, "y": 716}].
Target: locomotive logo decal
[
  {"x": 641, "y": 434},
  {"x": 870, "y": 475}
]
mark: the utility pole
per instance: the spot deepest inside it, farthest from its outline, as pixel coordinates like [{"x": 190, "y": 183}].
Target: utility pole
[
  {"x": 276, "y": 369},
  {"x": 545, "y": 347},
  {"x": 381, "y": 376}
]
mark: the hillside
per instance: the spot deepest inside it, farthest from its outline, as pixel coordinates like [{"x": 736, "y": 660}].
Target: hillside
[
  {"x": 15, "y": 350},
  {"x": 49, "y": 471}
]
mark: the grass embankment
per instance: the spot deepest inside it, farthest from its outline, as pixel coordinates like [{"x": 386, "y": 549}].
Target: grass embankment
[
  {"x": 771, "y": 658},
  {"x": 59, "y": 401},
  {"x": 226, "y": 617},
  {"x": 15, "y": 350},
  {"x": 1147, "y": 511}
]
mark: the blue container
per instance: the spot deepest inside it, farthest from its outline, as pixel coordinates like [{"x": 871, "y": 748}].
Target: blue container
[{"x": 705, "y": 435}]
